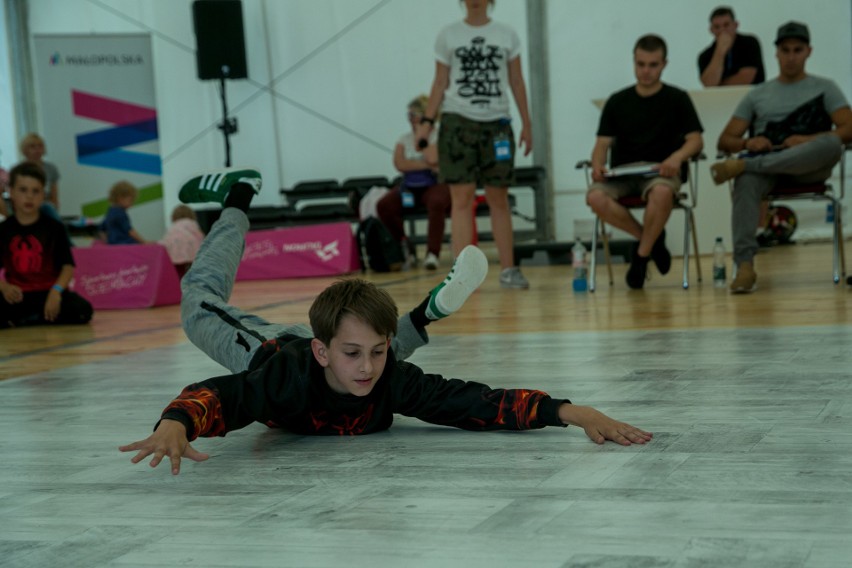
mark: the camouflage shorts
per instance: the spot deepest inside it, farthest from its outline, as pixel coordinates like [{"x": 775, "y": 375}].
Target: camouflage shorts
[{"x": 466, "y": 151}]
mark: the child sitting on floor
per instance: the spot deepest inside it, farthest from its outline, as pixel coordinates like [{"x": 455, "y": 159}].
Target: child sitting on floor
[
  {"x": 36, "y": 255},
  {"x": 183, "y": 239},
  {"x": 116, "y": 224}
]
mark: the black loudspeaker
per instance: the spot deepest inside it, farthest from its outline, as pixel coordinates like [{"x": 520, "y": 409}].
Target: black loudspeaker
[{"x": 219, "y": 37}]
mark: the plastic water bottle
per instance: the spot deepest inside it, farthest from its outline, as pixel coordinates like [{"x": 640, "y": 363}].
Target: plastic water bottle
[
  {"x": 719, "y": 264},
  {"x": 578, "y": 261}
]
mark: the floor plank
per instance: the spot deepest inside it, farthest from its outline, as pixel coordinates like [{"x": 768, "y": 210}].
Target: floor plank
[{"x": 749, "y": 397}]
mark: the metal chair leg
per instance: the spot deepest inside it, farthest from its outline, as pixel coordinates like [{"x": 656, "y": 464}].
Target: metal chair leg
[
  {"x": 695, "y": 244},
  {"x": 686, "y": 227},
  {"x": 594, "y": 262},
  {"x": 838, "y": 242},
  {"x": 839, "y": 222},
  {"x": 607, "y": 253}
]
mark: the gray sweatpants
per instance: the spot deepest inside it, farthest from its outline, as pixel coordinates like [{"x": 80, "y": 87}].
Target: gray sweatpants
[
  {"x": 227, "y": 334},
  {"x": 810, "y": 162}
]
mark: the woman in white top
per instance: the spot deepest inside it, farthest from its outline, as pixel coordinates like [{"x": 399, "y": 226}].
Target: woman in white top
[
  {"x": 477, "y": 62},
  {"x": 419, "y": 186}
]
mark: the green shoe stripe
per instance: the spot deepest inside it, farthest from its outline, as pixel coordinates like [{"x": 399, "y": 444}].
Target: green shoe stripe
[{"x": 433, "y": 306}]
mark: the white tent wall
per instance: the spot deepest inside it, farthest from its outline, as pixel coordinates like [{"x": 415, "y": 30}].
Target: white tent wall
[
  {"x": 329, "y": 79},
  {"x": 8, "y": 145},
  {"x": 348, "y": 71},
  {"x": 188, "y": 109},
  {"x": 327, "y": 88}
]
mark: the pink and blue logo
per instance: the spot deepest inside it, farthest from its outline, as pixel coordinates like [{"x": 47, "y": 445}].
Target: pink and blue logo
[{"x": 132, "y": 124}]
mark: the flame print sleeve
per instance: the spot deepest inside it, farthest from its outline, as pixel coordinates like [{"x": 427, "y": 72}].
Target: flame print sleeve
[
  {"x": 471, "y": 405},
  {"x": 200, "y": 410},
  {"x": 226, "y": 403}
]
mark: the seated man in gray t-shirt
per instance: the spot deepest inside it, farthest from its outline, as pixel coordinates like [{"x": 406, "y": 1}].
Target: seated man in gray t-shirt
[{"x": 797, "y": 125}]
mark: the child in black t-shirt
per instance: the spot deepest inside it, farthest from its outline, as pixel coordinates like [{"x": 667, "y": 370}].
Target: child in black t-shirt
[
  {"x": 36, "y": 256},
  {"x": 346, "y": 374}
]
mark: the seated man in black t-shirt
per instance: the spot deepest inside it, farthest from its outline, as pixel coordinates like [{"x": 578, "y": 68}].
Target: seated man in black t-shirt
[
  {"x": 654, "y": 124},
  {"x": 733, "y": 59}
]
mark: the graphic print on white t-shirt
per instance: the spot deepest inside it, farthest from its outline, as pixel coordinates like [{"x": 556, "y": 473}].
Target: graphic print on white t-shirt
[
  {"x": 478, "y": 59},
  {"x": 478, "y": 79}
]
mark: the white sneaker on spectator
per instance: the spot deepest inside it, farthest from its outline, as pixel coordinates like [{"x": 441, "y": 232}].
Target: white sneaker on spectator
[
  {"x": 512, "y": 278},
  {"x": 430, "y": 262}
]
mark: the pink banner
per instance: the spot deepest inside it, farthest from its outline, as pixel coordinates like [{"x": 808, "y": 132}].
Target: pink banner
[
  {"x": 299, "y": 252},
  {"x": 106, "y": 109},
  {"x": 125, "y": 276}
]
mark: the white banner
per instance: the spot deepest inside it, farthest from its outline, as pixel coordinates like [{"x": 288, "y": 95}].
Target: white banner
[{"x": 99, "y": 121}]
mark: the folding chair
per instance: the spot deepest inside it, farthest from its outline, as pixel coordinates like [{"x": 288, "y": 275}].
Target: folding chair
[
  {"x": 785, "y": 190},
  {"x": 316, "y": 201},
  {"x": 363, "y": 184},
  {"x": 686, "y": 200}
]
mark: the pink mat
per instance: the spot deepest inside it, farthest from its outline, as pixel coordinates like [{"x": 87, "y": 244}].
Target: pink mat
[
  {"x": 125, "y": 276},
  {"x": 299, "y": 252}
]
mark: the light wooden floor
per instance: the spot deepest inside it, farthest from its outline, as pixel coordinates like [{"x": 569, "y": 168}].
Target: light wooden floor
[{"x": 749, "y": 397}]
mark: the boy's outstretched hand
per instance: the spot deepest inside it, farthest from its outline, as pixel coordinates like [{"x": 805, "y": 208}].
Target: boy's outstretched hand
[
  {"x": 599, "y": 427},
  {"x": 168, "y": 440}
]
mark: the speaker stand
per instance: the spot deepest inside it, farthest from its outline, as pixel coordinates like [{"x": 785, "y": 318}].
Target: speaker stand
[{"x": 228, "y": 125}]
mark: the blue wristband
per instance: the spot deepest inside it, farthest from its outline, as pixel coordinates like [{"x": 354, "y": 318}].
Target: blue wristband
[{"x": 58, "y": 288}]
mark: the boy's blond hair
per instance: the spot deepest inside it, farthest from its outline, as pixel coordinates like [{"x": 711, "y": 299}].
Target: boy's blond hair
[
  {"x": 183, "y": 212},
  {"x": 121, "y": 189}
]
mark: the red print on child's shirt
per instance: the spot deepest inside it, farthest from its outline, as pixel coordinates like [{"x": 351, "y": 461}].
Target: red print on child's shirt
[{"x": 26, "y": 254}]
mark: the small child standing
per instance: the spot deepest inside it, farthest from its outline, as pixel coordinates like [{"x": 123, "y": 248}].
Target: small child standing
[
  {"x": 116, "y": 224},
  {"x": 183, "y": 239},
  {"x": 36, "y": 255}
]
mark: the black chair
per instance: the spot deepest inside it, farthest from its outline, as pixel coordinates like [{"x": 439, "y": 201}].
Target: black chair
[
  {"x": 365, "y": 183},
  {"x": 317, "y": 201},
  {"x": 357, "y": 187}
]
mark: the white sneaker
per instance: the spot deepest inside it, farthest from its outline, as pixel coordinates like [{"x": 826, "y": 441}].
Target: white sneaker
[
  {"x": 512, "y": 278},
  {"x": 409, "y": 261},
  {"x": 430, "y": 262},
  {"x": 468, "y": 272}
]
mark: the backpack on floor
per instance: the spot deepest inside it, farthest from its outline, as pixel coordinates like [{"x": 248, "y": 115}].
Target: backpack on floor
[{"x": 380, "y": 250}]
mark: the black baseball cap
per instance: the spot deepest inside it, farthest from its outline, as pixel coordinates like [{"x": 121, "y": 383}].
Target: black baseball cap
[{"x": 795, "y": 30}]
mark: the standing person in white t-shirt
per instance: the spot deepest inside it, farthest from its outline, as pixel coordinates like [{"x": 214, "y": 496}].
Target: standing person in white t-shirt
[{"x": 477, "y": 62}]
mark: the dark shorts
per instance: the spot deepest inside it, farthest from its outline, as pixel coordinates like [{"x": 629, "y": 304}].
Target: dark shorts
[
  {"x": 635, "y": 185},
  {"x": 467, "y": 151},
  {"x": 74, "y": 309}
]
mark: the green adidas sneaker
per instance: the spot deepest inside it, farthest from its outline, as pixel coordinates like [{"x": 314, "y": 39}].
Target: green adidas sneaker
[{"x": 214, "y": 186}]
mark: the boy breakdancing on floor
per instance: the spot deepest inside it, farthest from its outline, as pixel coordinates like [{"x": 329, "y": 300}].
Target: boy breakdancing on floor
[{"x": 344, "y": 375}]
